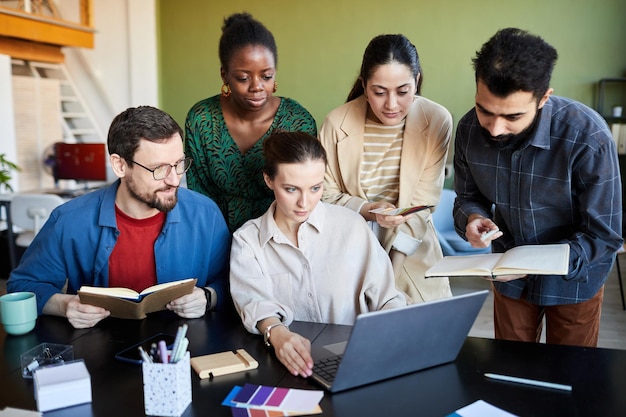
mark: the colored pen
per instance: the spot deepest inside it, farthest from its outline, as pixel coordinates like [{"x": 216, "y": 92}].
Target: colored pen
[
  {"x": 163, "y": 351},
  {"x": 144, "y": 356},
  {"x": 488, "y": 234},
  {"x": 529, "y": 382},
  {"x": 180, "y": 334},
  {"x": 182, "y": 348}
]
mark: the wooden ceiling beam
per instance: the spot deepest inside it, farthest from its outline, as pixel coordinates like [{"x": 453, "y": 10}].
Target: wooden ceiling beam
[
  {"x": 31, "y": 51},
  {"x": 16, "y": 24}
]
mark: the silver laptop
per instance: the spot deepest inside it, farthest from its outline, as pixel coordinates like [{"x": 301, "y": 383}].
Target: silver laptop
[{"x": 388, "y": 343}]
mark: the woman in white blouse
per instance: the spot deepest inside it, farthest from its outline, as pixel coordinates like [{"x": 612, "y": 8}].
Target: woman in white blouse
[{"x": 305, "y": 259}]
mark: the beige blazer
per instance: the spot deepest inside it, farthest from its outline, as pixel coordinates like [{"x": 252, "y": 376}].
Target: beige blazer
[{"x": 427, "y": 136}]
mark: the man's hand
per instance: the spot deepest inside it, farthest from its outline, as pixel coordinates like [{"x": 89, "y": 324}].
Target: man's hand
[
  {"x": 81, "y": 316},
  {"x": 477, "y": 227},
  {"x": 506, "y": 278},
  {"x": 190, "y": 306}
]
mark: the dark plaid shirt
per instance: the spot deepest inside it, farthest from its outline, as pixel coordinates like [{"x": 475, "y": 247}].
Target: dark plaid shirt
[{"x": 562, "y": 186}]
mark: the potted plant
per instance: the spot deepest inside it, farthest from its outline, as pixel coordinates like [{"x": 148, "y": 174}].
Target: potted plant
[{"x": 6, "y": 169}]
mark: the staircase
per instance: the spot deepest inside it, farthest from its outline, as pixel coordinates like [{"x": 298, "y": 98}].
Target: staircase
[{"x": 79, "y": 124}]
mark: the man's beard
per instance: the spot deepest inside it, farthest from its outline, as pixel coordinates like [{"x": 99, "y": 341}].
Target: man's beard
[
  {"x": 152, "y": 200},
  {"x": 512, "y": 140}
]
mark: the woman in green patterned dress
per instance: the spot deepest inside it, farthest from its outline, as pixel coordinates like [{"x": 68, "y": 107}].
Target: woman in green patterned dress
[{"x": 225, "y": 133}]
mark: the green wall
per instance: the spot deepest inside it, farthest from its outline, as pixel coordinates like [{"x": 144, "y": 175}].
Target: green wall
[{"x": 321, "y": 42}]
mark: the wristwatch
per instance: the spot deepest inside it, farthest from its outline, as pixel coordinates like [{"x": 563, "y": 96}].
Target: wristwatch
[
  {"x": 268, "y": 329},
  {"x": 211, "y": 298}
]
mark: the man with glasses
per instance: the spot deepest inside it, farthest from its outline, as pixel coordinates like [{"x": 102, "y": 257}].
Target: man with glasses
[{"x": 141, "y": 230}]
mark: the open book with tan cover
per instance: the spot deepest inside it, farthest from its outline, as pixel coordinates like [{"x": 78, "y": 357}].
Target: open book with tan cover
[
  {"x": 125, "y": 303},
  {"x": 550, "y": 259}
]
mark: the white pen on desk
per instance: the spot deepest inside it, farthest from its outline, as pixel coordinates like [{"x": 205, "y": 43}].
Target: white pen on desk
[
  {"x": 534, "y": 382},
  {"x": 487, "y": 235}
]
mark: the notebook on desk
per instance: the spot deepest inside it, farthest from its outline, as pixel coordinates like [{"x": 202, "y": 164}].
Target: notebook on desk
[{"x": 389, "y": 343}]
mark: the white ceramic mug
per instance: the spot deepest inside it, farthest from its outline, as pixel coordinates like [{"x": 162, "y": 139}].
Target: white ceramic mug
[{"x": 18, "y": 312}]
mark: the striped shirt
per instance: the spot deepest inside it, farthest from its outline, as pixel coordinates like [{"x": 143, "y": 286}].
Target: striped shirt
[
  {"x": 380, "y": 168},
  {"x": 562, "y": 186}
]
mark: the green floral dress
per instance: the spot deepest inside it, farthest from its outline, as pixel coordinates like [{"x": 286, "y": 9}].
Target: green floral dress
[{"x": 219, "y": 170}]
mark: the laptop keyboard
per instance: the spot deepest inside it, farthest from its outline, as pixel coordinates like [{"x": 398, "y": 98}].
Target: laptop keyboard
[{"x": 326, "y": 369}]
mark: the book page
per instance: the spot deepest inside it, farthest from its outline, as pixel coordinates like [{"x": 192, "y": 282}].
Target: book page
[
  {"x": 163, "y": 285},
  {"x": 552, "y": 259},
  {"x": 478, "y": 265},
  {"x": 129, "y": 293},
  {"x": 111, "y": 291}
]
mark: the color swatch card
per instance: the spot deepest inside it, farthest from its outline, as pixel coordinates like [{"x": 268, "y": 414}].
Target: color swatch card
[
  {"x": 289, "y": 401},
  {"x": 258, "y": 412}
]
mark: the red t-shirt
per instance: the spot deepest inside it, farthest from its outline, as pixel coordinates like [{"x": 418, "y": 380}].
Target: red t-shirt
[{"x": 132, "y": 264}]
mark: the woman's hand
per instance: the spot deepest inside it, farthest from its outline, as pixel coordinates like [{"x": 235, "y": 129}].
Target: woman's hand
[
  {"x": 293, "y": 351},
  {"x": 388, "y": 222},
  {"x": 383, "y": 220}
]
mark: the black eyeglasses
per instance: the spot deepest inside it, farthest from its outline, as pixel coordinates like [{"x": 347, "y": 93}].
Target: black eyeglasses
[{"x": 162, "y": 171}]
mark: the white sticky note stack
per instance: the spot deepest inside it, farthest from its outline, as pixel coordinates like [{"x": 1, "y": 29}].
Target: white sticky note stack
[{"x": 62, "y": 386}]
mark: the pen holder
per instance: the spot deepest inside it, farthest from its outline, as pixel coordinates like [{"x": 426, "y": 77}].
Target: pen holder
[{"x": 167, "y": 387}]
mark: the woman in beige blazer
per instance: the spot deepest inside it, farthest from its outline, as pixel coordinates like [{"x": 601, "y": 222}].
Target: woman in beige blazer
[{"x": 387, "y": 147}]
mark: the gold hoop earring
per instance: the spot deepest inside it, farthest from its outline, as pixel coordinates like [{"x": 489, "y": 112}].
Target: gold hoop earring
[
  {"x": 275, "y": 86},
  {"x": 226, "y": 90}
]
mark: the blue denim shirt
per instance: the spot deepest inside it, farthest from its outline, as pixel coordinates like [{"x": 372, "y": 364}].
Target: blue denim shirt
[
  {"x": 78, "y": 238},
  {"x": 563, "y": 186}
]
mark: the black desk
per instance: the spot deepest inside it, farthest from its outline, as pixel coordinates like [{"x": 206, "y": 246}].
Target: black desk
[{"x": 598, "y": 376}]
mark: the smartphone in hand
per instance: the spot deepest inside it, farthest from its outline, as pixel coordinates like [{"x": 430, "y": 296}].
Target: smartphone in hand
[{"x": 399, "y": 211}]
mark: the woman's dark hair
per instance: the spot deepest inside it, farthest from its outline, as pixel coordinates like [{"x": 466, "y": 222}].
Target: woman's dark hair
[
  {"x": 283, "y": 147},
  {"x": 240, "y": 30},
  {"x": 137, "y": 123},
  {"x": 514, "y": 60},
  {"x": 387, "y": 49}
]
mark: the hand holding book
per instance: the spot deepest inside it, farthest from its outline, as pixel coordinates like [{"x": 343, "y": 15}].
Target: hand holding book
[
  {"x": 125, "y": 303},
  {"x": 550, "y": 259}
]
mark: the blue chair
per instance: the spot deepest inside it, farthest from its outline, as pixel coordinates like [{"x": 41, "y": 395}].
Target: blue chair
[{"x": 451, "y": 243}]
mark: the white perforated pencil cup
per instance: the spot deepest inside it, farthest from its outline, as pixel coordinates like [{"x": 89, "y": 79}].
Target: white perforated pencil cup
[{"x": 167, "y": 387}]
